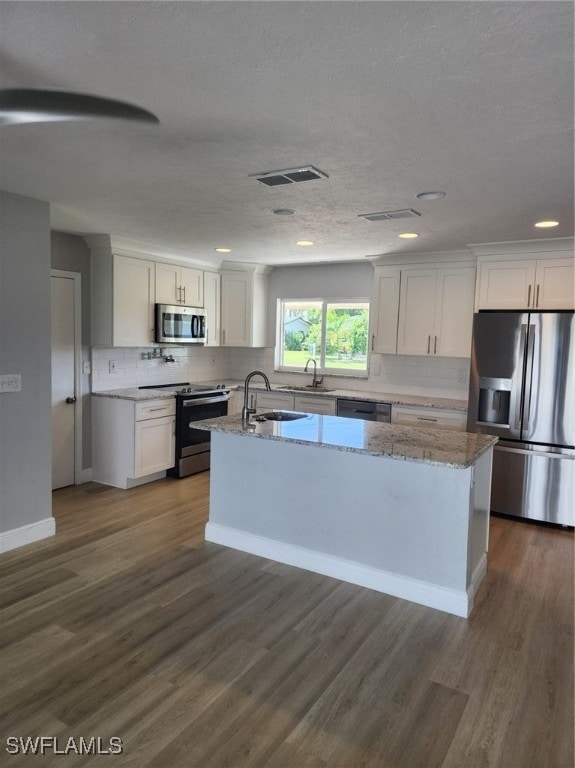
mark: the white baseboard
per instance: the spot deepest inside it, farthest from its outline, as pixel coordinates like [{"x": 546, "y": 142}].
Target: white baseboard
[
  {"x": 84, "y": 476},
  {"x": 27, "y": 534},
  {"x": 452, "y": 601}
]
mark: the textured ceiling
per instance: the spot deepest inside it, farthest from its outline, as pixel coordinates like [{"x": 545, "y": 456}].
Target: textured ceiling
[{"x": 388, "y": 98}]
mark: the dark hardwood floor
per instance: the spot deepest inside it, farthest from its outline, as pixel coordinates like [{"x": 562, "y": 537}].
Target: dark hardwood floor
[{"x": 128, "y": 624}]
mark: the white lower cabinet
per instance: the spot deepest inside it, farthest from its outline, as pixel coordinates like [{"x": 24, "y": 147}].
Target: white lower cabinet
[
  {"x": 235, "y": 402},
  {"x": 322, "y": 405},
  {"x": 428, "y": 417},
  {"x": 133, "y": 442},
  {"x": 274, "y": 400}
]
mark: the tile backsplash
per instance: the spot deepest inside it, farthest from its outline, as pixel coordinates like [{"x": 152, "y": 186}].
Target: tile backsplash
[
  {"x": 401, "y": 374},
  {"x": 442, "y": 376},
  {"x": 133, "y": 368}
]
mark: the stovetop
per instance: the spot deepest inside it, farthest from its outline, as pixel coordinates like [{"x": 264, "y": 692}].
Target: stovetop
[{"x": 185, "y": 388}]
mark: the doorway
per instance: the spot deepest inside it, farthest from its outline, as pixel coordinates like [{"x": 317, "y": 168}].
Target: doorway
[{"x": 66, "y": 395}]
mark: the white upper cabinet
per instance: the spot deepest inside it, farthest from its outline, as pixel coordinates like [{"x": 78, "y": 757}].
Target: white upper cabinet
[
  {"x": 511, "y": 279},
  {"x": 122, "y": 300},
  {"x": 212, "y": 305},
  {"x": 555, "y": 284},
  {"x": 244, "y": 308},
  {"x": 133, "y": 303},
  {"x": 179, "y": 285},
  {"x": 453, "y": 320},
  {"x": 424, "y": 310},
  {"x": 386, "y": 310},
  {"x": 416, "y": 311}
]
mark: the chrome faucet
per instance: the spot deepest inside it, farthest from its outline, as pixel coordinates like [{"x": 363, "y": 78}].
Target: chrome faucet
[
  {"x": 248, "y": 411},
  {"x": 317, "y": 380}
]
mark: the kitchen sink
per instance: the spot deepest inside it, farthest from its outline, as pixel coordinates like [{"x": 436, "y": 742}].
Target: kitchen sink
[
  {"x": 310, "y": 388},
  {"x": 279, "y": 416}
]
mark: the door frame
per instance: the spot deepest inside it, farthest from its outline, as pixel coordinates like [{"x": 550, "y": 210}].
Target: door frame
[{"x": 78, "y": 444}]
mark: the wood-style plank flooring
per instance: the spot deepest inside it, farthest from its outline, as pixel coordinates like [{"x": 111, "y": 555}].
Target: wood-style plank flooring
[{"x": 128, "y": 624}]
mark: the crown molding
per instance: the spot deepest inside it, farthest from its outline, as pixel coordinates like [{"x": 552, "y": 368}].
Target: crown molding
[{"x": 542, "y": 245}]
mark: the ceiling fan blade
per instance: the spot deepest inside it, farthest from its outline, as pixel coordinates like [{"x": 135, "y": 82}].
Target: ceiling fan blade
[{"x": 29, "y": 105}]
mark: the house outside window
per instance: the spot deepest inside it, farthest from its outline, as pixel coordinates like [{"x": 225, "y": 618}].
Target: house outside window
[{"x": 334, "y": 332}]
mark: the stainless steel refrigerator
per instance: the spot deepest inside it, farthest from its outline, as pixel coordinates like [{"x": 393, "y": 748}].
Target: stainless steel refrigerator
[{"x": 522, "y": 389}]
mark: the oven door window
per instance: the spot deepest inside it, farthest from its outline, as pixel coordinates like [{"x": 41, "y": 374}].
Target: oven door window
[{"x": 191, "y": 438}]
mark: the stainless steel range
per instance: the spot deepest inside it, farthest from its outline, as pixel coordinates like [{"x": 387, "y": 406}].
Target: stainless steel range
[{"x": 194, "y": 403}]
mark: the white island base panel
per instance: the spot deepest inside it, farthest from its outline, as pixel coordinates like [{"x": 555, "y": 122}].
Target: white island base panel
[{"x": 413, "y": 530}]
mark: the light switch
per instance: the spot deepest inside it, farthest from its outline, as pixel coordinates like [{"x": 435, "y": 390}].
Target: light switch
[
  {"x": 113, "y": 366},
  {"x": 10, "y": 382},
  {"x": 86, "y": 367}
]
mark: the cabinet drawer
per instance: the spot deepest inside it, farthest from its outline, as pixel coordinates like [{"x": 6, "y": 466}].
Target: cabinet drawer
[
  {"x": 321, "y": 405},
  {"x": 154, "y": 409},
  {"x": 429, "y": 417}
]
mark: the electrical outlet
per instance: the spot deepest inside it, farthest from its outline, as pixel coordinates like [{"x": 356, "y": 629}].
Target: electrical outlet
[
  {"x": 113, "y": 365},
  {"x": 10, "y": 382},
  {"x": 213, "y": 360},
  {"x": 86, "y": 367},
  {"x": 462, "y": 375}
]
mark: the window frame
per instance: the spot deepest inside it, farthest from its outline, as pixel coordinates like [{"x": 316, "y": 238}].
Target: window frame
[{"x": 355, "y": 373}]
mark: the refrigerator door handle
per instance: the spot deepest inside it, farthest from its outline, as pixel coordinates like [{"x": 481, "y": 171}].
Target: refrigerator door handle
[
  {"x": 528, "y": 375},
  {"x": 519, "y": 394}
]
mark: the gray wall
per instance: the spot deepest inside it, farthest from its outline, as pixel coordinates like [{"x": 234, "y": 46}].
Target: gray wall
[
  {"x": 71, "y": 254},
  {"x": 333, "y": 281},
  {"x": 25, "y": 342}
]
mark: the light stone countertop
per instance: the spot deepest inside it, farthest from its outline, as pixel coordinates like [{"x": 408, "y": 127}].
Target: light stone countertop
[
  {"x": 427, "y": 401},
  {"x": 133, "y": 393},
  {"x": 430, "y": 446}
]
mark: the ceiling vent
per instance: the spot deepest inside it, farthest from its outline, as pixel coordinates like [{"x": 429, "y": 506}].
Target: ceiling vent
[
  {"x": 404, "y": 213},
  {"x": 290, "y": 176}
]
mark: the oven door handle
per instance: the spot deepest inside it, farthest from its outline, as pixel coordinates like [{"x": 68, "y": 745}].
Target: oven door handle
[{"x": 205, "y": 401}]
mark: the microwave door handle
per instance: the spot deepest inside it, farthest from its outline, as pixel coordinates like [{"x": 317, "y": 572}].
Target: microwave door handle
[{"x": 194, "y": 326}]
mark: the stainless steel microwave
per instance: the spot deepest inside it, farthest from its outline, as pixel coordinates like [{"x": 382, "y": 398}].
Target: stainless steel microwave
[{"x": 176, "y": 324}]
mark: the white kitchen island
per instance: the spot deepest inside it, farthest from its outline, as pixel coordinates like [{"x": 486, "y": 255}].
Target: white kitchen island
[{"x": 398, "y": 509}]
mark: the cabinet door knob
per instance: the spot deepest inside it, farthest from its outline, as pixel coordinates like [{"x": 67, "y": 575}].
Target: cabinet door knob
[
  {"x": 537, "y": 296},
  {"x": 435, "y": 346},
  {"x": 428, "y": 344},
  {"x": 529, "y": 296},
  {"x": 372, "y": 341}
]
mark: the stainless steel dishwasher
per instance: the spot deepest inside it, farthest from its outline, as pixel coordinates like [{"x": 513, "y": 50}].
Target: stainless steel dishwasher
[{"x": 368, "y": 410}]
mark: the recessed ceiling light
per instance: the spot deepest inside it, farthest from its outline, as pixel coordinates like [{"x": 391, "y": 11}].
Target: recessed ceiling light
[
  {"x": 303, "y": 243},
  {"x": 430, "y": 195},
  {"x": 408, "y": 235},
  {"x": 283, "y": 212},
  {"x": 544, "y": 224},
  {"x": 224, "y": 250}
]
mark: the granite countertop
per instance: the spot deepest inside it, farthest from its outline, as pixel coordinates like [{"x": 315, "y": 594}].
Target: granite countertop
[
  {"x": 133, "y": 393},
  {"x": 354, "y": 394},
  {"x": 430, "y": 446}
]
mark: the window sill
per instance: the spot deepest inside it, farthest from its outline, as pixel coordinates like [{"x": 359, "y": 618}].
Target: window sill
[{"x": 329, "y": 374}]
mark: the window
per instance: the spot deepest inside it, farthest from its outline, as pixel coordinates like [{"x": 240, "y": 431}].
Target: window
[{"x": 333, "y": 332}]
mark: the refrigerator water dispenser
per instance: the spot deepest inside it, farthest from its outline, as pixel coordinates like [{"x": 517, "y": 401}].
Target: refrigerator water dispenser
[{"x": 494, "y": 401}]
